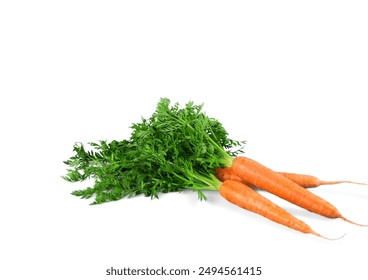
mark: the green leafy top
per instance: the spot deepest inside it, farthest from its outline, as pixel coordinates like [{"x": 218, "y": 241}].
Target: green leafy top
[{"x": 175, "y": 149}]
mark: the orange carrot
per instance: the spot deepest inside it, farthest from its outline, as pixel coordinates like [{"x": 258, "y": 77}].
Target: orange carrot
[
  {"x": 247, "y": 198},
  {"x": 262, "y": 177},
  {"x": 226, "y": 173},
  {"x": 306, "y": 181}
]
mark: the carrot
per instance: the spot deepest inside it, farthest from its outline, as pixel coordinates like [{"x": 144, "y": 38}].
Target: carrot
[
  {"x": 262, "y": 177},
  {"x": 306, "y": 181},
  {"x": 245, "y": 197},
  {"x": 226, "y": 173}
]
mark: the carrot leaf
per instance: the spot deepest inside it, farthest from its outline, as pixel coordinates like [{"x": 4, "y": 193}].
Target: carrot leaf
[{"x": 176, "y": 148}]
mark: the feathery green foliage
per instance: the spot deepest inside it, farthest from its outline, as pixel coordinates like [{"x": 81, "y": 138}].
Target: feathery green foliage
[{"x": 175, "y": 149}]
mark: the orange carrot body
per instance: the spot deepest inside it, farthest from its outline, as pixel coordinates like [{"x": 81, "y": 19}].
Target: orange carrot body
[
  {"x": 227, "y": 173},
  {"x": 306, "y": 181},
  {"x": 247, "y": 198},
  {"x": 262, "y": 177}
]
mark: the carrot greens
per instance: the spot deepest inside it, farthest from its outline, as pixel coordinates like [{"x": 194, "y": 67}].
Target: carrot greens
[{"x": 175, "y": 149}]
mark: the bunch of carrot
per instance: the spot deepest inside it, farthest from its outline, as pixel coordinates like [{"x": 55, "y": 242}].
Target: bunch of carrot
[
  {"x": 246, "y": 173},
  {"x": 181, "y": 148}
]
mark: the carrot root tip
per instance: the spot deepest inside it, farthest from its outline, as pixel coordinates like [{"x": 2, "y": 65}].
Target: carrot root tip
[
  {"x": 354, "y": 223},
  {"x": 328, "y": 238}
]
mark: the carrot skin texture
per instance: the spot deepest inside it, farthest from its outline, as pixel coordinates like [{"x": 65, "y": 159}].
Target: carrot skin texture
[
  {"x": 262, "y": 177},
  {"x": 306, "y": 181},
  {"x": 247, "y": 198}
]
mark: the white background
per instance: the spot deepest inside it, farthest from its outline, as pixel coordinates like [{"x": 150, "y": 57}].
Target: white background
[{"x": 290, "y": 78}]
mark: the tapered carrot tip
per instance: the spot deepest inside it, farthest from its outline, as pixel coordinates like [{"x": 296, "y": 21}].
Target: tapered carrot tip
[
  {"x": 328, "y": 238},
  {"x": 354, "y": 223},
  {"x": 341, "y": 182}
]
